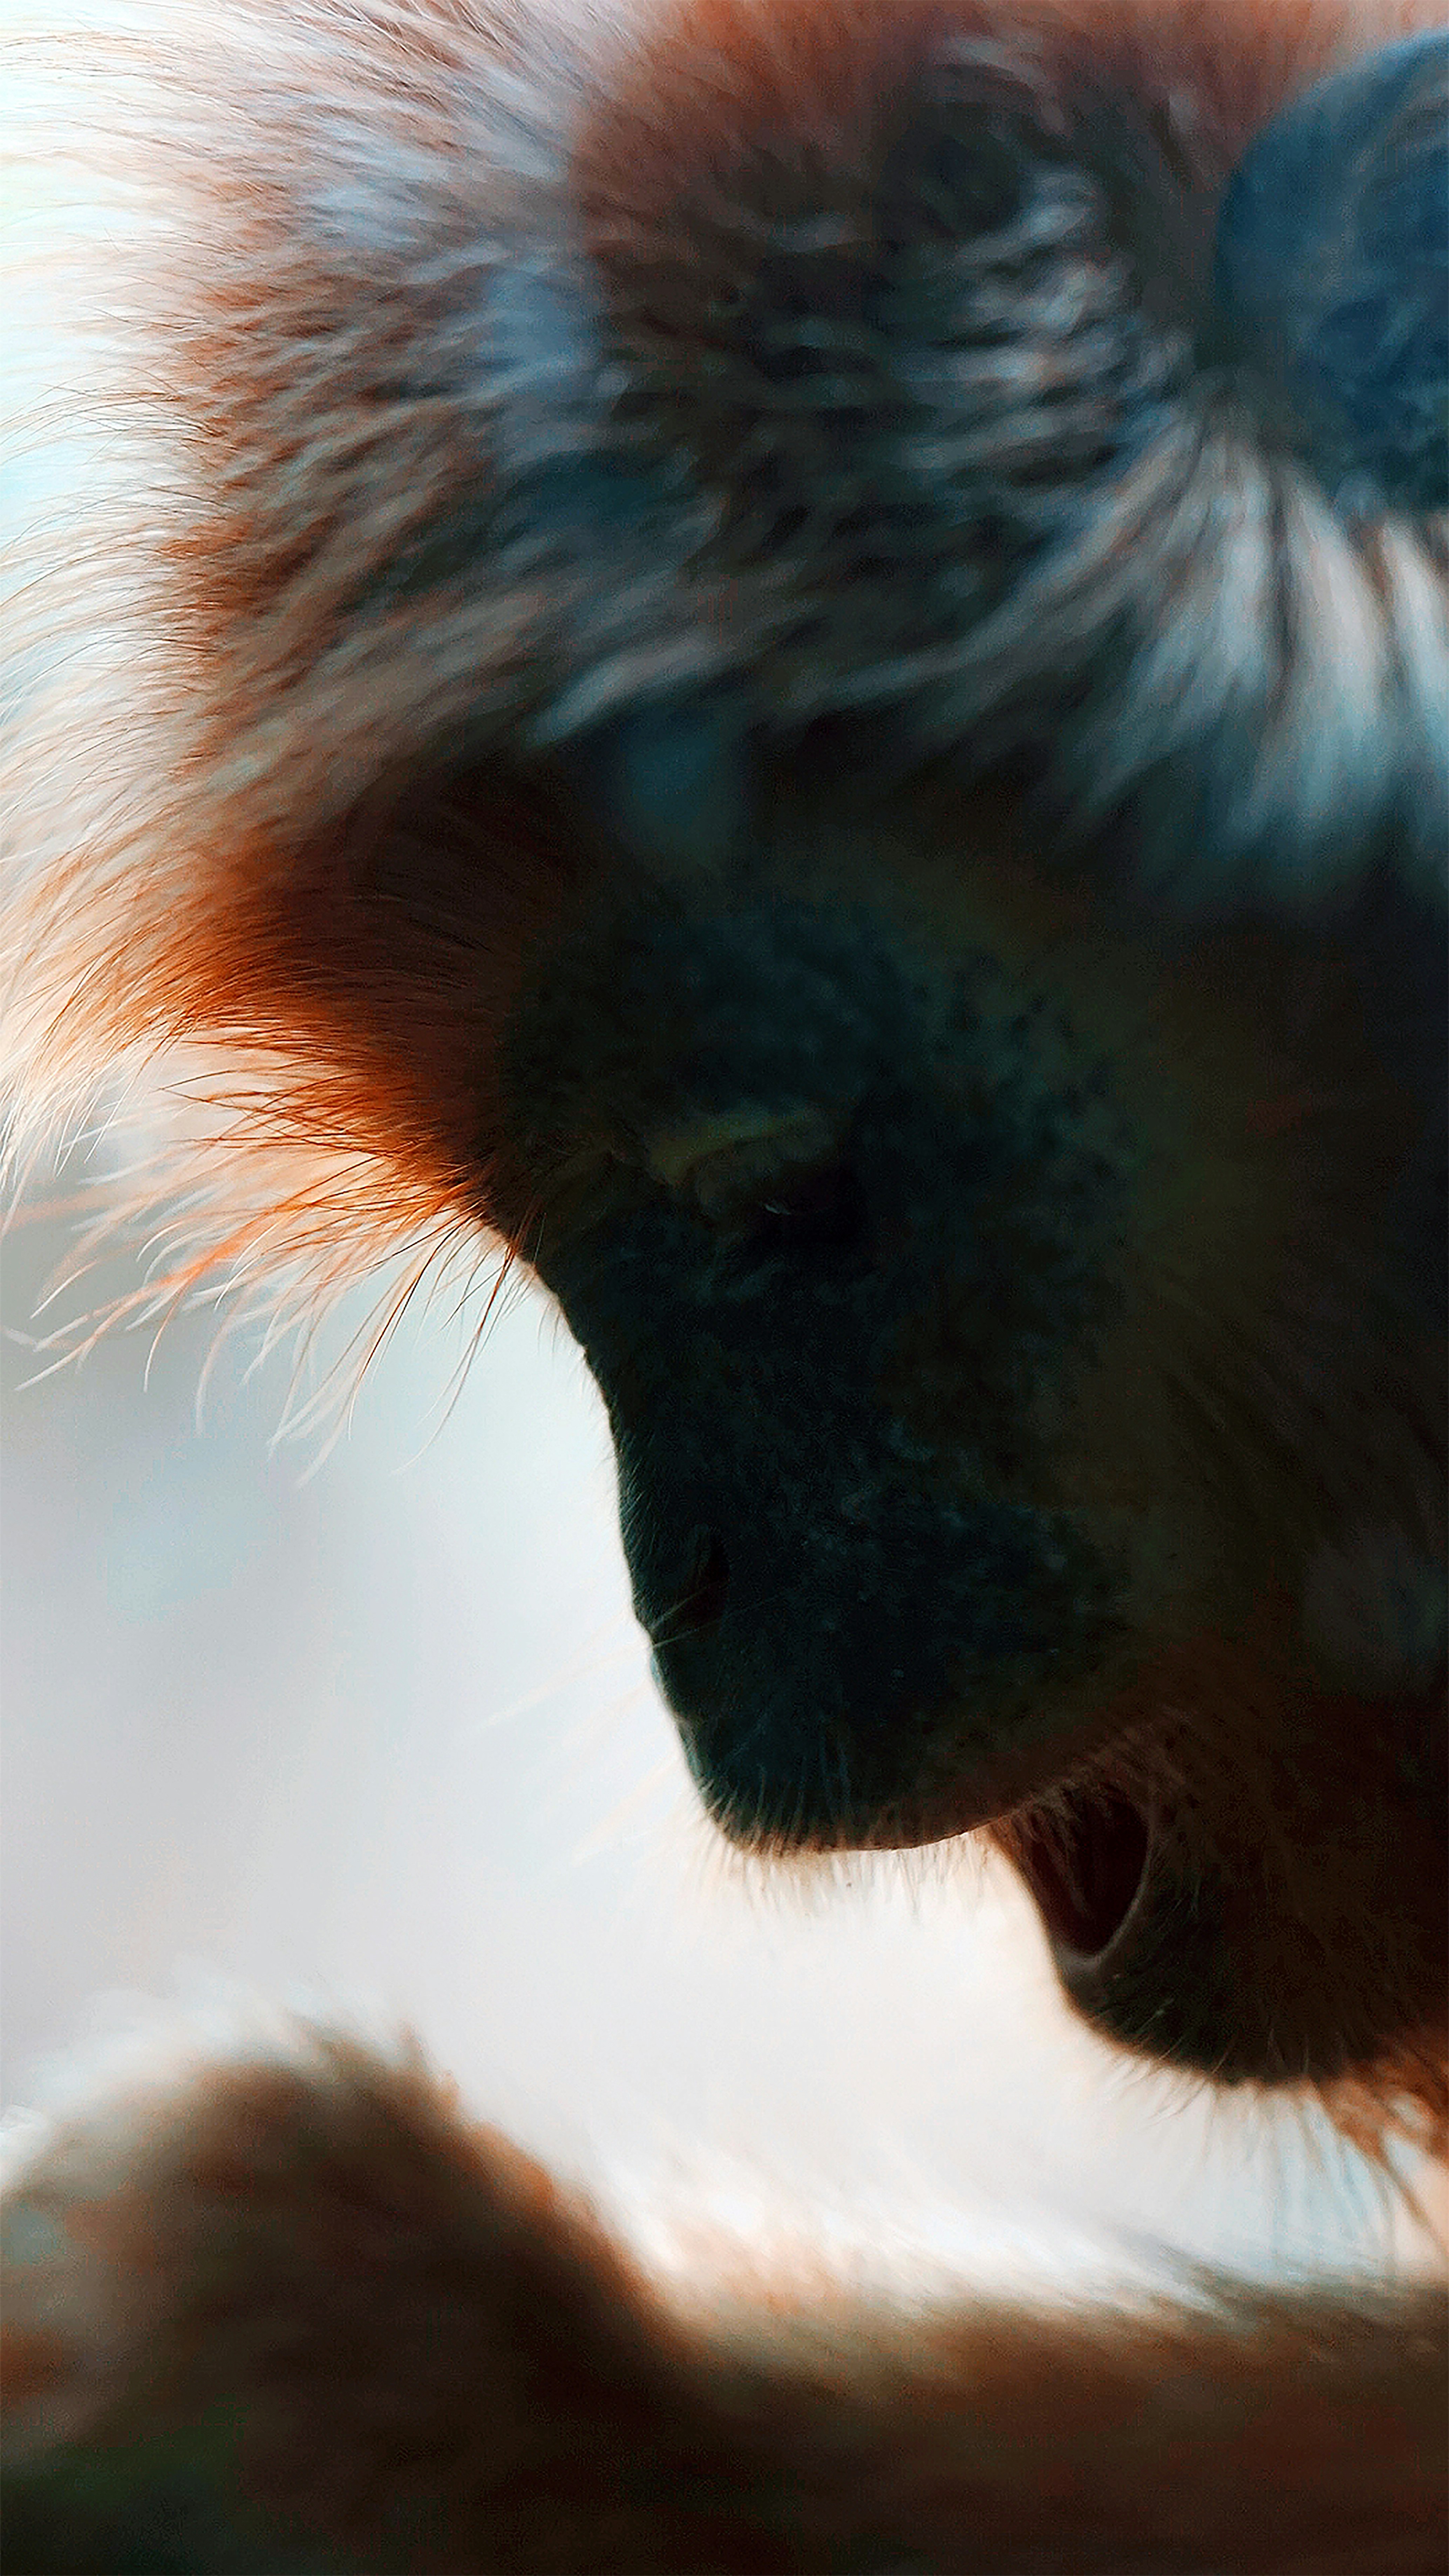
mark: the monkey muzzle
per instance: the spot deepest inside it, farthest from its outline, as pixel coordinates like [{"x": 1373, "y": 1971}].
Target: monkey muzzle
[{"x": 832, "y": 1228}]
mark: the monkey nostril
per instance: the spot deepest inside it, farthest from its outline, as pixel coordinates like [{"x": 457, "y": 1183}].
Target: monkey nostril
[{"x": 701, "y": 1605}]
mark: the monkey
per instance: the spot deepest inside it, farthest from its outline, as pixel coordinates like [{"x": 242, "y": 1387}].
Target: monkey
[{"x": 790, "y": 655}]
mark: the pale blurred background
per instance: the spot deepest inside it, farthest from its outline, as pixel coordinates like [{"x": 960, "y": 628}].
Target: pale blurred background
[{"x": 364, "y": 1723}]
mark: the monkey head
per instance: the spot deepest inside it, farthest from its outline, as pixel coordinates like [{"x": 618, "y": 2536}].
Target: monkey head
[{"x": 815, "y": 650}]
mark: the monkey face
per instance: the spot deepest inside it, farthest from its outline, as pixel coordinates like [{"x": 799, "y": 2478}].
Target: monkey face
[
  {"x": 804, "y": 669},
  {"x": 1014, "y": 1325},
  {"x": 845, "y": 1236}
]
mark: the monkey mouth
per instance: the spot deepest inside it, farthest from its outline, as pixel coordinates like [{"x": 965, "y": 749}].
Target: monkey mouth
[{"x": 1085, "y": 1857}]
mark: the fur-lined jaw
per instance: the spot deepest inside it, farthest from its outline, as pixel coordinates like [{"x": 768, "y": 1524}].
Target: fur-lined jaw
[{"x": 475, "y": 406}]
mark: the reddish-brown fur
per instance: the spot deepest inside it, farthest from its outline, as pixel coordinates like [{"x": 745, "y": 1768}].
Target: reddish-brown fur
[{"x": 273, "y": 839}]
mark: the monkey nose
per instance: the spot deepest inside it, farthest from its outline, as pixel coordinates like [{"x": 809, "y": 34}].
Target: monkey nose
[{"x": 800, "y": 1712}]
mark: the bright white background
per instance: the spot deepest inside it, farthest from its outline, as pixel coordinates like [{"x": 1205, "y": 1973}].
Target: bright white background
[{"x": 375, "y": 1730}]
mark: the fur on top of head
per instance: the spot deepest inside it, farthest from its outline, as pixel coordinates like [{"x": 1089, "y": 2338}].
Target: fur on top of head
[{"x": 450, "y": 392}]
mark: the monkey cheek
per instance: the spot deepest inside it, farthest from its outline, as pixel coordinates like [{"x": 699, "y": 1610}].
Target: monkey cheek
[{"x": 1376, "y": 1611}]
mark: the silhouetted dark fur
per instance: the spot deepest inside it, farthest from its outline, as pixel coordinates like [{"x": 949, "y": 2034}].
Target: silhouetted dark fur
[{"x": 794, "y": 654}]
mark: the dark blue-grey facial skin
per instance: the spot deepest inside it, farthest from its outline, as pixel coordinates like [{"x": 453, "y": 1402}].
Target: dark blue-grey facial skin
[
  {"x": 984, "y": 1390},
  {"x": 821, "y": 1178}
]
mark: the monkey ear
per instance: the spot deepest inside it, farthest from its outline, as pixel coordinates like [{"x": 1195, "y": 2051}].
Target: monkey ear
[{"x": 1333, "y": 267}]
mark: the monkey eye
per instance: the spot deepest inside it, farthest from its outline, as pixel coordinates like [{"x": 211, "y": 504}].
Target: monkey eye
[{"x": 755, "y": 1168}]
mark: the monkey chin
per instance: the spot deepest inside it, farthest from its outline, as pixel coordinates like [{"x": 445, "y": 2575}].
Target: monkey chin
[{"x": 1187, "y": 1854}]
